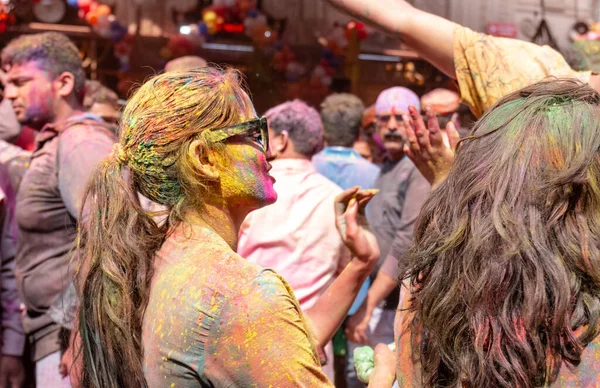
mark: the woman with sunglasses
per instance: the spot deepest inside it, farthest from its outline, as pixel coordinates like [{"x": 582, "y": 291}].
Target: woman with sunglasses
[{"x": 171, "y": 304}]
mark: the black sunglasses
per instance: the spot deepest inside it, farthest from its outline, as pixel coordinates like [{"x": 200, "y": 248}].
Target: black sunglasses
[{"x": 257, "y": 130}]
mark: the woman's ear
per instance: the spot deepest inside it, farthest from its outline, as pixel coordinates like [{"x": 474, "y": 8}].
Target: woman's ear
[{"x": 204, "y": 161}]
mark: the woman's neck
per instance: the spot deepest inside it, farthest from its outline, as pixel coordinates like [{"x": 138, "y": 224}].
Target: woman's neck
[{"x": 219, "y": 220}]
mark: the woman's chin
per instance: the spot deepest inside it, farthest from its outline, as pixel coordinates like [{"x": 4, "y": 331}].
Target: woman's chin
[{"x": 271, "y": 198}]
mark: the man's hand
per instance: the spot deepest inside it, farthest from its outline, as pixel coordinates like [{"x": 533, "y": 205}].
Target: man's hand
[
  {"x": 431, "y": 148},
  {"x": 358, "y": 324},
  {"x": 12, "y": 372}
]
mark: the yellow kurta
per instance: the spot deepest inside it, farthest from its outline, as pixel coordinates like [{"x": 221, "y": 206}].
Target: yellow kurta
[{"x": 488, "y": 67}]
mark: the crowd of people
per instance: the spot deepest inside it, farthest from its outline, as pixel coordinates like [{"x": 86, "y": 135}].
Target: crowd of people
[{"x": 183, "y": 240}]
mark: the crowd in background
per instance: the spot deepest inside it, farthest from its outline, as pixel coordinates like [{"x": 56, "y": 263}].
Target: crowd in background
[
  {"x": 54, "y": 133},
  {"x": 182, "y": 240}
]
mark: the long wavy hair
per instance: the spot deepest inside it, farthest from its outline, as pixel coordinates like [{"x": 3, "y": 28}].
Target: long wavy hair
[
  {"x": 505, "y": 270},
  {"x": 119, "y": 239}
]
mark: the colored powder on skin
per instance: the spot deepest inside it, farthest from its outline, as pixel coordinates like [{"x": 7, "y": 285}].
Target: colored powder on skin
[
  {"x": 34, "y": 97},
  {"x": 208, "y": 305},
  {"x": 248, "y": 182}
]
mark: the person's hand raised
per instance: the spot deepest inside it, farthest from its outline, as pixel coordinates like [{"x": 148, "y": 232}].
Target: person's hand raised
[
  {"x": 352, "y": 225},
  {"x": 431, "y": 148}
]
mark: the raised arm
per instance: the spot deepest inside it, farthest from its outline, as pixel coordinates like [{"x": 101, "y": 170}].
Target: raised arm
[
  {"x": 431, "y": 36},
  {"x": 331, "y": 309}
]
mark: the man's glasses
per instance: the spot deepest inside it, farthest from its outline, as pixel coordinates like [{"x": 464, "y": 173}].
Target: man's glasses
[{"x": 257, "y": 130}]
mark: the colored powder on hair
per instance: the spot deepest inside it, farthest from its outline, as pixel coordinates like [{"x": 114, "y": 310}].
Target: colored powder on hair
[{"x": 398, "y": 98}]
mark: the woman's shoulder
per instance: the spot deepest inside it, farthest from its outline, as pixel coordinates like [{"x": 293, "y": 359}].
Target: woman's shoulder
[{"x": 208, "y": 265}]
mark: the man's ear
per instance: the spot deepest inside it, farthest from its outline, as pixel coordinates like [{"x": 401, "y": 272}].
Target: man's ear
[
  {"x": 64, "y": 84},
  {"x": 281, "y": 142},
  {"x": 204, "y": 162}
]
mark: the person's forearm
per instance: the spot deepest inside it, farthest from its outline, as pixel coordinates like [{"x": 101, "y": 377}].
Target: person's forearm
[
  {"x": 380, "y": 289},
  {"x": 431, "y": 36},
  {"x": 332, "y": 307}
]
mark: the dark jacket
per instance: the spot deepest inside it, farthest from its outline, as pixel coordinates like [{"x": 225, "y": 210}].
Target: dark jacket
[{"x": 48, "y": 204}]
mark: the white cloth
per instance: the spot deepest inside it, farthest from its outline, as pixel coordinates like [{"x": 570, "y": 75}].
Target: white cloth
[{"x": 47, "y": 373}]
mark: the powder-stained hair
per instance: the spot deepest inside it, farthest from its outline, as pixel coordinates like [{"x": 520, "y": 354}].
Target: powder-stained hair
[
  {"x": 342, "y": 117},
  {"x": 119, "y": 240},
  {"x": 302, "y": 123},
  {"x": 51, "y": 51},
  {"x": 505, "y": 270}
]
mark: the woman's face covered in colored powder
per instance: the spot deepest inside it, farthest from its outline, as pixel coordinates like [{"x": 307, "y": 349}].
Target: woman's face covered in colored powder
[{"x": 246, "y": 184}]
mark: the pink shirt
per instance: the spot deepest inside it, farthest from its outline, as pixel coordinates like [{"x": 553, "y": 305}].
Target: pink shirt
[{"x": 296, "y": 236}]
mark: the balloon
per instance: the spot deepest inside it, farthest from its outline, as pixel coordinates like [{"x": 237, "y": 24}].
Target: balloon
[
  {"x": 202, "y": 29},
  {"x": 91, "y": 18},
  {"x": 102, "y": 27},
  {"x": 84, "y": 7},
  {"x": 210, "y": 17},
  {"x": 103, "y": 10},
  {"x": 117, "y": 31},
  {"x": 103, "y": 21}
]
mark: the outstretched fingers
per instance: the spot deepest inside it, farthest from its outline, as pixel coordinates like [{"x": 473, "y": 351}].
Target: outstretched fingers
[
  {"x": 453, "y": 135},
  {"x": 421, "y": 131},
  {"x": 435, "y": 133}
]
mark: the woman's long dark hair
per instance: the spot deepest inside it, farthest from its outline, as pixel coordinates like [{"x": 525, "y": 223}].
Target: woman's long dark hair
[
  {"x": 505, "y": 270},
  {"x": 161, "y": 123}
]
